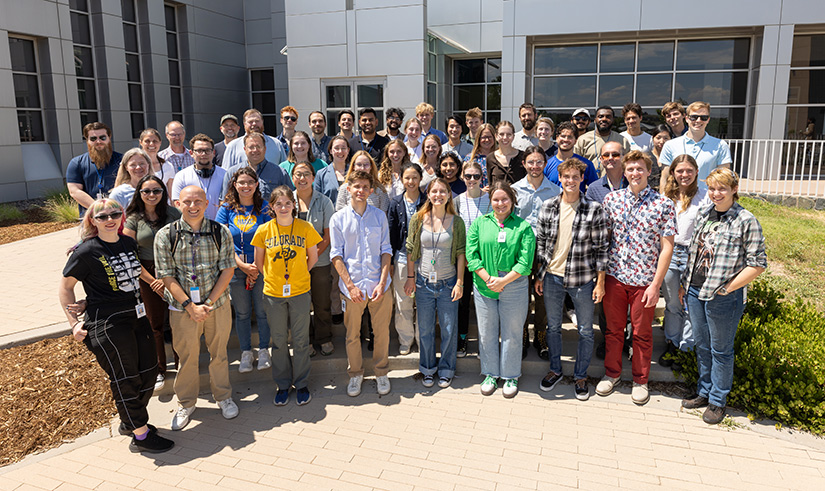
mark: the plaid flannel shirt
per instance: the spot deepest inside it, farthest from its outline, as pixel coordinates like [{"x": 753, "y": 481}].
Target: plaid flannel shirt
[
  {"x": 740, "y": 243},
  {"x": 588, "y": 252}
]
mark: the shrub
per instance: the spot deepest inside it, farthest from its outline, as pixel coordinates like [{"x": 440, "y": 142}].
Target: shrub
[
  {"x": 10, "y": 212},
  {"x": 62, "y": 208},
  {"x": 779, "y": 367}
]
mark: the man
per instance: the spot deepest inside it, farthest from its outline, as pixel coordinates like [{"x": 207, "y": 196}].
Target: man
[
  {"x": 454, "y": 143},
  {"x": 531, "y": 191},
  {"x": 474, "y": 121},
  {"x": 708, "y": 151},
  {"x": 289, "y": 119},
  {"x": 566, "y": 141},
  {"x": 320, "y": 140},
  {"x": 368, "y": 139},
  {"x": 346, "y": 121},
  {"x": 545, "y": 129},
  {"x": 674, "y": 114},
  {"x": 590, "y": 144},
  {"x": 571, "y": 250},
  {"x": 92, "y": 175},
  {"x": 204, "y": 175},
  {"x": 253, "y": 121},
  {"x": 195, "y": 259},
  {"x": 394, "y": 119},
  {"x": 642, "y": 225},
  {"x": 425, "y": 113},
  {"x": 526, "y": 136},
  {"x": 361, "y": 251},
  {"x": 229, "y": 129},
  {"x": 613, "y": 179},
  {"x": 176, "y": 154},
  {"x": 581, "y": 118},
  {"x": 270, "y": 174},
  {"x": 638, "y": 139}
]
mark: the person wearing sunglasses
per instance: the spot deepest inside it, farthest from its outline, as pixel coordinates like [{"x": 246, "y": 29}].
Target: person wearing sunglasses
[
  {"x": 92, "y": 175},
  {"x": 114, "y": 327},
  {"x": 289, "y": 119},
  {"x": 708, "y": 151}
]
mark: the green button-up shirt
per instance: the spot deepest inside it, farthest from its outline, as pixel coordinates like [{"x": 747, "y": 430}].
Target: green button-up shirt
[{"x": 485, "y": 251}]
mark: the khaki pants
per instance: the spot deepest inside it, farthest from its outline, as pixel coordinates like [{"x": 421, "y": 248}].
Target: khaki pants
[
  {"x": 187, "y": 343},
  {"x": 380, "y": 312}
]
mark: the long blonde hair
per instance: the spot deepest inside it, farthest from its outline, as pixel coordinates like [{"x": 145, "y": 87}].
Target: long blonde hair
[
  {"x": 672, "y": 187},
  {"x": 373, "y": 167},
  {"x": 385, "y": 171},
  {"x": 123, "y": 175},
  {"x": 428, "y": 205}
]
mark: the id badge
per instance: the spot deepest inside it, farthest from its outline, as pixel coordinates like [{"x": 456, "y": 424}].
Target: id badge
[
  {"x": 502, "y": 236},
  {"x": 433, "y": 277},
  {"x": 287, "y": 290},
  {"x": 195, "y": 294},
  {"x": 246, "y": 259},
  {"x": 140, "y": 309},
  {"x": 343, "y": 305}
]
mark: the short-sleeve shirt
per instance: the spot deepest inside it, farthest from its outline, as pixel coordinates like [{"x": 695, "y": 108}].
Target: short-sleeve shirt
[
  {"x": 285, "y": 251},
  {"x": 82, "y": 170},
  {"x": 211, "y": 185},
  {"x": 243, "y": 226},
  {"x": 637, "y": 226},
  {"x": 709, "y": 152},
  {"x": 145, "y": 232}
]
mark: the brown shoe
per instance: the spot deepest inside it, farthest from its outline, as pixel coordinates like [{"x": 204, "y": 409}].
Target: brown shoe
[
  {"x": 713, "y": 414},
  {"x": 694, "y": 401}
]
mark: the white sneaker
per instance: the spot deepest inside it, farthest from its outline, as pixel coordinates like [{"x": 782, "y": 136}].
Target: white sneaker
[
  {"x": 404, "y": 350},
  {"x": 606, "y": 385},
  {"x": 510, "y": 388},
  {"x": 264, "y": 360},
  {"x": 640, "y": 394},
  {"x": 181, "y": 417},
  {"x": 159, "y": 381},
  {"x": 246, "y": 361},
  {"x": 354, "y": 386},
  {"x": 383, "y": 385},
  {"x": 228, "y": 407}
]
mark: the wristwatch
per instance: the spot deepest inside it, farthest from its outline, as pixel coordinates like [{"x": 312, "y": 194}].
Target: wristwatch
[
  {"x": 209, "y": 302},
  {"x": 186, "y": 303},
  {"x": 723, "y": 291}
]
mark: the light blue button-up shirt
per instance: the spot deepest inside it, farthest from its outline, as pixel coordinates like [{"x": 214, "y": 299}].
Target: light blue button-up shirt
[
  {"x": 360, "y": 241},
  {"x": 530, "y": 200},
  {"x": 235, "y": 153},
  {"x": 710, "y": 152}
]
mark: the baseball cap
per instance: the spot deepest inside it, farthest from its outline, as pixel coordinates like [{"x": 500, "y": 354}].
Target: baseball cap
[
  {"x": 230, "y": 116},
  {"x": 582, "y": 110}
]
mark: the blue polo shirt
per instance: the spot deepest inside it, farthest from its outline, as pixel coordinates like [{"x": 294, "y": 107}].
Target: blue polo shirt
[
  {"x": 551, "y": 171},
  {"x": 83, "y": 171},
  {"x": 710, "y": 152}
]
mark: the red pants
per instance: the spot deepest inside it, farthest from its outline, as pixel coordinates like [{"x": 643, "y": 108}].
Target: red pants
[{"x": 617, "y": 297}]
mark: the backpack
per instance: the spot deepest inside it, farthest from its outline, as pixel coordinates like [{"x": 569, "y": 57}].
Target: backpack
[{"x": 174, "y": 234}]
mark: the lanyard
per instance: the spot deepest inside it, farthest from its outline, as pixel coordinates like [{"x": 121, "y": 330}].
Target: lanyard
[
  {"x": 99, "y": 181},
  {"x": 436, "y": 238},
  {"x": 248, "y": 221},
  {"x": 286, "y": 252}
]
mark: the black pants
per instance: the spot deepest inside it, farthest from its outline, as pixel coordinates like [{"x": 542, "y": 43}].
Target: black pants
[
  {"x": 125, "y": 350},
  {"x": 464, "y": 304},
  {"x": 320, "y": 327}
]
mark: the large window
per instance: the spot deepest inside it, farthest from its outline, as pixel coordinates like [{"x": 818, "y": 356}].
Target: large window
[
  {"x": 649, "y": 73},
  {"x": 477, "y": 83},
  {"x": 26, "y": 89},
  {"x": 133, "y": 77},
  {"x": 806, "y": 91},
  {"x": 353, "y": 95},
  {"x": 84, "y": 67},
  {"x": 173, "y": 54},
  {"x": 263, "y": 96}
]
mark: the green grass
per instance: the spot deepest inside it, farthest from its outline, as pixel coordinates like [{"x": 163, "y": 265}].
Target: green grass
[
  {"x": 10, "y": 212},
  {"x": 62, "y": 208},
  {"x": 794, "y": 242},
  {"x": 56, "y": 193}
]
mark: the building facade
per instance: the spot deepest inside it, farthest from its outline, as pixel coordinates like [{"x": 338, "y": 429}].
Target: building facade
[{"x": 141, "y": 63}]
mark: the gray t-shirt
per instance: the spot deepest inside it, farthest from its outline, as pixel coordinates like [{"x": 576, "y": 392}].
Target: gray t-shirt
[{"x": 435, "y": 254}]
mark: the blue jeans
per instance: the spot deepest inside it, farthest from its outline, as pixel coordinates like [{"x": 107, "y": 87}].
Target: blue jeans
[
  {"x": 502, "y": 318},
  {"x": 554, "y": 291},
  {"x": 243, "y": 300},
  {"x": 677, "y": 324},
  {"x": 429, "y": 299},
  {"x": 714, "y": 327}
]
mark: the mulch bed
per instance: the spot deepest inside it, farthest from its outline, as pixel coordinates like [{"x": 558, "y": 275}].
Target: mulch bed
[
  {"x": 51, "y": 392},
  {"x": 36, "y": 222}
]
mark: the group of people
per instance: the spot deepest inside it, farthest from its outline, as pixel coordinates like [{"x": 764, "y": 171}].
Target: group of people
[{"x": 407, "y": 227}]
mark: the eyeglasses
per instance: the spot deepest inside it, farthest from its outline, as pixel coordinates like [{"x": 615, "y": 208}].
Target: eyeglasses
[
  {"x": 581, "y": 118},
  {"x": 472, "y": 177},
  {"x": 148, "y": 191},
  {"x": 699, "y": 117},
  {"x": 289, "y": 118},
  {"x": 115, "y": 215},
  {"x": 302, "y": 175},
  {"x": 93, "y": 139},
  {"x": 202, "y": 151},
  {"x": 614, "y": 155}
]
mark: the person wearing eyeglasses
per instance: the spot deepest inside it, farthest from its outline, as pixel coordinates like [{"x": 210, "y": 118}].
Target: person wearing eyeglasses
[
  {"x": 204, "y": 174},
  {"x": 134, "y": 165},
  {"x": 270, "y": 174},
  {"x": 176, "y": 153},
  {"x": 394, "y": 119},
  {"x": 92, "y": 175},
  {"x": 289, "y": 119},
  {"x": 708, "y": 151},
  {"x": 253, "y": 122}
]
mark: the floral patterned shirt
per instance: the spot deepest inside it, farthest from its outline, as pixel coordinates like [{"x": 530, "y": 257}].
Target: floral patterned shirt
[{"x": 637, "y": 225}]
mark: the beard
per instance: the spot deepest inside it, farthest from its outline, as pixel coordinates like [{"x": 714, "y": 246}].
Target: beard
[
  {"x": 101, "y": 158},
  {"x": 528, "y": 124}
]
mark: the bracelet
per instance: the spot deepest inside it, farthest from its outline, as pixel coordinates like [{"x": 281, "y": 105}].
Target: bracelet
[
  {"x": 410, "y": 277},
  {"x": 460, "y": 286}
]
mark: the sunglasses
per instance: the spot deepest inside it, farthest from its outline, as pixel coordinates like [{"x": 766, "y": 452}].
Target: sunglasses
[
  {"x": 472, "y": 177},
  {"x": 581, "y": 118},
  {"x": 93, "y": 139},
  {"x": 115, "y": 215},
  {"x": 202, "y": 151},
  {"x": 147, "y": 191},
  {"x": 611, "y": 155},
  {"x": 289, "y": 118},
  {"x": 699, "y": 117}
]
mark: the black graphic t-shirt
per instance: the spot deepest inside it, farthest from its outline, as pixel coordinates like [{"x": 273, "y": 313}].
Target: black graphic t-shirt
[
  {"x": 109, "y": 273},
  {"x": 706, "y": 247}
]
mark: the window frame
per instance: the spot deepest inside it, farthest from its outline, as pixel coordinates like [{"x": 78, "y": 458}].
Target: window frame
[
  {"x": 38, "y": 75},
  {"x": 353, "y": 84}
]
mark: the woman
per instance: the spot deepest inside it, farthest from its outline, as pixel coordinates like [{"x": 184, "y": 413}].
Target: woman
[
  {"x": 243, "y": 212},
  {"x": 300, "y": 150},
  {"x": 150, "y": 143},
  {"x": 389, "y": 172},
  {"x": 134, "y": 165},
  {"x": 507, "y": 163},
  {"x": 484, "y": 146},
  {"x": 115, "y": 327},
  {"x": 317, "y": 209},
  {"x": 500, "y": 248},
  {"x": 430, "y": 157},
  {"x": 470, "y": 205},
  {"x": 331, "y": 177},
  {"x": 362, "y": 161},
  {"x": 727, "y": 252},
  {"x": 545, "y": 129},
  {"x": 436, "y": 244},
  {"x": 661, "y": 137},
  {"x": 402, "y": 209},
  {"x": 146, "y": 214},
  {"x": 285, "y": 251},
  {"x": 449, "y": 166},
  {"x": 412, "y": 128}
]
